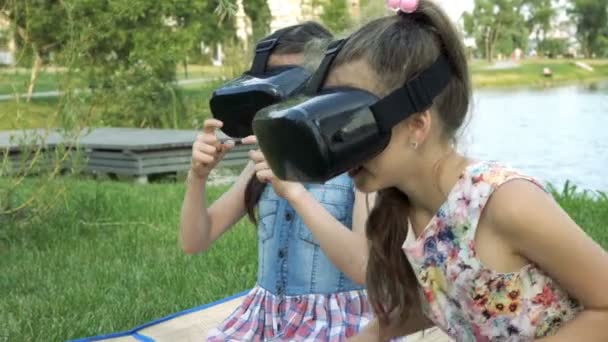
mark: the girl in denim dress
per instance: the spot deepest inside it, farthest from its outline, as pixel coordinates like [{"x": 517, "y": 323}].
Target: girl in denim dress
[{"x": 312, "y": 250}]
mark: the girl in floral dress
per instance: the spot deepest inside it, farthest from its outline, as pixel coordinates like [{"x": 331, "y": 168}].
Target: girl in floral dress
[{"x": 474, "y": 247}]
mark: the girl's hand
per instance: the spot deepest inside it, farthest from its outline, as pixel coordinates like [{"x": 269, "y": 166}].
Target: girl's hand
[
  {"x": 207, "y": 150},
  {"x": 285, "y": 189}
]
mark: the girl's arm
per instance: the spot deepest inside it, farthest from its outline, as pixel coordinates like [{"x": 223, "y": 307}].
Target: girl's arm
[
  {"x": 540, "y": 231},
  {"x": 201, "y": 226},
  {"x": 346, "y": 248}
]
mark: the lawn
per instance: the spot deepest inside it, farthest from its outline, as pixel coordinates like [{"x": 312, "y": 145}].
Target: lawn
[
  {"x": 106, "y": 258},
  {"x": 16, "y": 81},
  {"x": 530, "y": 73},
  {"x": 37, "y": 113},
  {"x": 42, "y": 112}
]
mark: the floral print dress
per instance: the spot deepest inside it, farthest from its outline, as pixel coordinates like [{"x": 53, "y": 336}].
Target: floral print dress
[{"x": 468, "y": 301}]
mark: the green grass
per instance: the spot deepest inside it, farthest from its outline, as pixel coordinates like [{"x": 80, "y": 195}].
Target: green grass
[
  {"x": 42, "y": 112},
  {"x": 530, "y": 73},
  {"x": 197, "y": 71},
  {"x": 20, "y": 115},
  {"x": 106, "y": 259},
  {"x": 37, "y": 113},
  {"x": 16, "y": 81},
  {"x": 589, "y": 210}
]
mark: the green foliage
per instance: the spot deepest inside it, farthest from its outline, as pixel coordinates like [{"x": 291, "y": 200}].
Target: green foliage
[
  {"x": 210, "y": 28},
  {"x": 38, "y": 32},
  {"x": 372, "y": 9},
  {"x": 539, "y": 14},
  {"x": 128, "y": 51},
  {"x": 5, "y": 36},
  {"x": 259, "y": 13},
  {"x": 36, "y": 23},
  {"x": 553, "y": 47},
  {"x": 591, "y": 18},
  {"x": 498, "y": 26},
  {"x": 503, "y": 25},
  {"x": 336, "y": 15}
]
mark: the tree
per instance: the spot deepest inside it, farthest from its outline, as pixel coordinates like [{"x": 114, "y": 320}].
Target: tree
[
  {"x": 336, "y": 15},
  {"x": 503, "y": 25},
  {"x": 371, "y": 9},
  {"x": 540, "y": 14},
  {"x": 591, "y": 18},
  {"x": 259, "y": 13},
  {"x": 128, "y": 51},
  {"x": 553, "y": 47},
  {"x": 38, "y": 25},
  {"x": 496, "y": 23},
  {"x": 205, "y": 21}
]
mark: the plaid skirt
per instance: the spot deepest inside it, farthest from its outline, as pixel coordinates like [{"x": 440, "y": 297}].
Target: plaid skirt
[{"x": 313, "y": 317}]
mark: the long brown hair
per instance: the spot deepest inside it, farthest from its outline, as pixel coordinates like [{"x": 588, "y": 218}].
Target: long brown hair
[
  {"x": 297, "y": 39},
  {"x": 397, "y": 48}
]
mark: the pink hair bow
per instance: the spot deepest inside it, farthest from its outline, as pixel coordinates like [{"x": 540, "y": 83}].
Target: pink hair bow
[{"x": 406, "y": 6}]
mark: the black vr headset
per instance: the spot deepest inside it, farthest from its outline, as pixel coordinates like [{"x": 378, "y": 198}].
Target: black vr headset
[
  {"x": 327, "y": 132},
  {"x": 236, "y": 102}
]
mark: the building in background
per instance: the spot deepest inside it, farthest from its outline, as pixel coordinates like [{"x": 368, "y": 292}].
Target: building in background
[{"x": 7, "y": 43}]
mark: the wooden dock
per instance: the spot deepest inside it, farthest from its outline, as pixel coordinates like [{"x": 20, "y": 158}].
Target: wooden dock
[{"x": 131, "y": 152}]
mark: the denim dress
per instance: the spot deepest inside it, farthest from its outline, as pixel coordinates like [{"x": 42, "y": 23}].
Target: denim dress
[{"x": 299, "y": 295}]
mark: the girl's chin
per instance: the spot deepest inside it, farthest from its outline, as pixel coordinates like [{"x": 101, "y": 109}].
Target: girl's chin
[
  {"x": 353, "y": 173},
  {"x": 363, "y": 180}
]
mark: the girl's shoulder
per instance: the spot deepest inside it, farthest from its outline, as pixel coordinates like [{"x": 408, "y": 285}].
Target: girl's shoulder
[
  {"x": 341, "y": 181},
  {"x": 494, "y": 174}
]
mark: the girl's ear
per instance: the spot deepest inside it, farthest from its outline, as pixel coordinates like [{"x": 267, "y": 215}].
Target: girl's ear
[{"x": 419, "y": 127}]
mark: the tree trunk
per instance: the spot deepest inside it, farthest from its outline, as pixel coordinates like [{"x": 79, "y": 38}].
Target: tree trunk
[
  {"x": 185, "y": 62},
  {"x": 34, "y": 77},
  {"x": 493, "y": 40},
  {"x": 488, "y": 50},
  {"x": 490, "y": 42}
]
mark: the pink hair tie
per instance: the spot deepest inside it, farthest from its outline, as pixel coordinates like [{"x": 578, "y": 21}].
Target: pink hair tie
[{"x": 406, "y": 6}]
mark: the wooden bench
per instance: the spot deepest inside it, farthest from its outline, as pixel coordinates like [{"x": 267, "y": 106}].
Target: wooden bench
[{"x": 131, "y": 152}]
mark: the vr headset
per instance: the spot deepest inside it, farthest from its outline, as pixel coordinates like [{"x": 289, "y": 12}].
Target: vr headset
[
  {"x": 326, "y": 132},
  {"x": 236, "y": 102}
]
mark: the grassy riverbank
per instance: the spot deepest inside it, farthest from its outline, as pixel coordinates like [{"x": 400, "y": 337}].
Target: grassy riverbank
[
  {"x": 40, "y": 112},
  {"x": 530, "y": 73},
  {"x": 106, "y": 258}
]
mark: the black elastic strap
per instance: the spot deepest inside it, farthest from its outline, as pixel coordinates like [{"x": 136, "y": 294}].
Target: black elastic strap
[
  {"x": 318, "y": 78},
  {"x": 415, "y": 96},
  {"x": 263, "y": 50}
]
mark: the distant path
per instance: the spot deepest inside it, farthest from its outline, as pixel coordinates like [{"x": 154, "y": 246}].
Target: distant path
[
  {"x": 503, "y": 65},
  {"x": 56, "y": 93}
]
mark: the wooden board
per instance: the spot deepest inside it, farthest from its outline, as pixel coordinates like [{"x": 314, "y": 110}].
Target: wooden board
[{"x": 123, "y": 151}]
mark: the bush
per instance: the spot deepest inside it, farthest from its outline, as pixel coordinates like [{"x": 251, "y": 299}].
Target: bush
[{"x": 553, "y": 48}]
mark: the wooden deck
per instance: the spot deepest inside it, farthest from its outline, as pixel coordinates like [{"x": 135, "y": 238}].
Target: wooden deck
[{"x": 133, "y": 152}]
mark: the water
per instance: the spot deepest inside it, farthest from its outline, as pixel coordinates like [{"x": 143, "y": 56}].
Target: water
[{"x": 555, "y": 134}]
